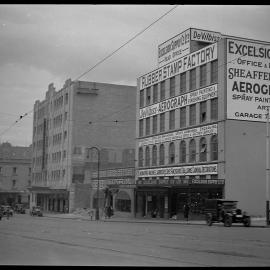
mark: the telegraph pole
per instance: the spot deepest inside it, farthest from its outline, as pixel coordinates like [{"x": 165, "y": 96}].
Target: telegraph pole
[{"x": 267, "y": 169}]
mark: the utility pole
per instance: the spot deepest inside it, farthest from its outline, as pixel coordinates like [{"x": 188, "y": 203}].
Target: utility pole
[{"x": 267, "y": 169}]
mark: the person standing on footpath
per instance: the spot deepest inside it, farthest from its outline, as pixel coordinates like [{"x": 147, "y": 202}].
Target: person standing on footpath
[{"x": 186, "y": 211}]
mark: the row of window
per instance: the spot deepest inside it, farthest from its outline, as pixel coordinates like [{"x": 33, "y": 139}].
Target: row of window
[
  {"x": 14, "y": 170},
  {"x": 158, "y": 153},
  {"x": 150, "y": 94},
  {"x": 182, "y": 118},
  {"x": 56, "y": 158},
  {"x": 58, "y": 102},
  {"x": 54, "y": 175}
]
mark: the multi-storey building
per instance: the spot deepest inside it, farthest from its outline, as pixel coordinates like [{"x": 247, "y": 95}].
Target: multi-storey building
[
  {"x": 65, "y": 126},
  {"x": 200, "y": 125},
  {"x": 15, "y": 174}
]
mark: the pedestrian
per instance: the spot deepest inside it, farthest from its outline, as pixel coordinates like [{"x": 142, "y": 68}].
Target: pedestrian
[{"x": 186, "y": 211}]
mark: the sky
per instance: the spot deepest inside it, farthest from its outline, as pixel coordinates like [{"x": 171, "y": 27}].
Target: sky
[{"x": 43, "y": 44}]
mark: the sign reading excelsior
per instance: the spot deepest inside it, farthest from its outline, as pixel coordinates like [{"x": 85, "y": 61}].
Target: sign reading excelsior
[{"x": 248, "y": 77}]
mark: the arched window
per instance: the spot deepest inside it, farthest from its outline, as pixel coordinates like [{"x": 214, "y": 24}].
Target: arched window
[
  {"x": 161, "y": 154},
  {"x": 182, "y": 152},
  {"x": 203, "y": 149},
  {"x": 192, "y": 151},
  {"x": 214, "y": 148},
  {"x": 154, "y": 155},
  {"x": 147, "y": 156},
  {"x": 171, "y": 153},
  {"x": 140, "y": 158}
]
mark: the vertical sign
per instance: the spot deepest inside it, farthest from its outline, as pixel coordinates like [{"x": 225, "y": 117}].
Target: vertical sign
[{"x": 248, "y": 80}]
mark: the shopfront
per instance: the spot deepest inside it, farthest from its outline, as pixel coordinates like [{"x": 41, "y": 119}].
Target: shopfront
[{"x": 167, "y": 200}]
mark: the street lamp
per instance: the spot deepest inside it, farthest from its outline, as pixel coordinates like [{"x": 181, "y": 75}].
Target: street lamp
[{"x": 97, "y": 207}]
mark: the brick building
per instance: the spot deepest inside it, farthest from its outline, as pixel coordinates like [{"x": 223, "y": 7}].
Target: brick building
[
  {"x": 66, "y": 125},
  {"x": 15, "y": 174}
]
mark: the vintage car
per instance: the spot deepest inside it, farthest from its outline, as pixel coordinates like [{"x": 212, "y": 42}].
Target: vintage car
[
  {"x": 225, "y": 211},
  {"x": 36, "y": 211},
  {"x": 7, "y": 210},
  {"x": 19, "y": 208}
]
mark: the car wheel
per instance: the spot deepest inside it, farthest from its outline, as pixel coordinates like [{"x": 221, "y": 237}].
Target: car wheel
[
  {"x": 209, "y": 220},
  {"x": 247, "y": 221},
  {"x": 228, "y": 221}
]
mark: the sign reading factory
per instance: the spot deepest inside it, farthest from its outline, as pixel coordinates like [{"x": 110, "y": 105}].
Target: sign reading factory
[
  {"x": 200, "y": 57},
  {"x": 179, "y": 135},
  {"x": 248, "y": 80},
  {"x": 185, "y": 182},
  {"x": 177, "y": 171},
  {"x": 193, "y": 97}
]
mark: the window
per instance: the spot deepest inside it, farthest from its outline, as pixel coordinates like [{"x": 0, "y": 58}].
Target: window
[
  {"x": 0, "y": 169},
  {"x": 202, "y": 75},
  {"x": 183, "y": 117},
  {"x": 154, "y": 124},
  {"x": 172, "y": 86},
  {"x": 214, "y": 71},
  {"x": 148, "y": 95},
  {"x": 65, "y": 134},
  {"x": 141, "y": 128},
  {"x": 161, "y": 154},
  {"x": 172, "y": 120},
  {"x": 63, "y": 173},
  {"x": 183, "y": 82},
  {"x": 155, "y": 93},
  {"x": 192, "y": 79},
  {"x": 140, "y": 158},
  {"x": 14, "y": 170},
  {"x": 65, "y": 116},
  {"x": 162, "y": 122},
  {"x": 214, "y": 148},
  {"x": 182, "y": 152},
  {"x": 192, "y": 114},
  {"x": 154, "y": 155},
  {"x": 192, "y": 151},
  {"x": 13, "y": 183},
  {"x": 141, "y": 98},
  {"x": 171, "y": 153},
  {"x": 147, "y": 128},
  {"x": 147, "y": 156},
  {"x": 77, "y": 150},
  {"x": 66, "y": 98},
  {"x": 202, "y": 112},
  {"x": 203, "y": 149},
  {"x": 65, "y": 154},
  {"x": 162, "y": 90},
  {"x": 214, "y": 109}
]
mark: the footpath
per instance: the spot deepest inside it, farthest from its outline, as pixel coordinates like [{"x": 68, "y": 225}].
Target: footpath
[{"x": 258, "y": 222}]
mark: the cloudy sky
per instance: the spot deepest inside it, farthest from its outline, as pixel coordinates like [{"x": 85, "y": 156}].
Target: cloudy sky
[{"x": 41, "y": 44}]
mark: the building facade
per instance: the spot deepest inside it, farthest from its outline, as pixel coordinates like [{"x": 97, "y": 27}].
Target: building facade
[
  {"x": 200, "y": 125},
  {"x": 66, "y": 125},
  {"x": 15, "y": 174}
]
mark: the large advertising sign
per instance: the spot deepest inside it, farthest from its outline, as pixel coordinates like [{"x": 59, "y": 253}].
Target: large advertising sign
[
  {"x": 174, "y": 48},
  {"x": 179, "y": 135},
  {"x": 248, "y": 76},
  {"x": 200, "y": 57},
  {"x": 204, "y": 36},
  {"x": 105, "y": 183},
  {"x": 193, "y": 97},
  {"x": 177, "y": 171}
]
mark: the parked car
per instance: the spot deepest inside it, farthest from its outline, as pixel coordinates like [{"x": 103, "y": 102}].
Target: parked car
[
  {"x": 7, "y": 210},
  {"x": 36, "y": 211},
  {"x": 19, "y": 208},
  {"x": 226, "y": 211}
]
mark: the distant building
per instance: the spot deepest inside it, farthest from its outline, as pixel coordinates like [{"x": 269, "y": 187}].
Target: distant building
[
  {"x": 66, "y": 125},
  {"x": 15, "y": 174},
  {"x": 200, "y": 126}
]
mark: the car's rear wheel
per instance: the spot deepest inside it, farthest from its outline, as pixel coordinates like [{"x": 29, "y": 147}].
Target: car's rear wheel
[
  {"x": 228, "y": 221},
  {"x": 247, "y": 221}
]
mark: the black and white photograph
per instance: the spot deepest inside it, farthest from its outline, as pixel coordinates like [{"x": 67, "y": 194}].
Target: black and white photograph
[{"x": 134, "y": 135}]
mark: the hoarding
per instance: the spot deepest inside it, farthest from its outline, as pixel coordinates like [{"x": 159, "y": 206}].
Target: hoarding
[
  {"x": 105, "y": 183},
  {"x": 177, "y": 171},
  {"x": 190, "y": 61},
  {"x": 248, "y": 76},
  {"x": 180, "y": 101},
  {"x": 204, "y": 35},
  {"x": 174, "y": 48},
  {"x": 179, "y": 135}
]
